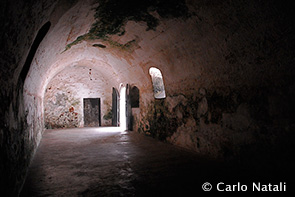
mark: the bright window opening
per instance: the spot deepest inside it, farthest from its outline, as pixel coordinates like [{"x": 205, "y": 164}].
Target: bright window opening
[{"x": 158, "y": 83}]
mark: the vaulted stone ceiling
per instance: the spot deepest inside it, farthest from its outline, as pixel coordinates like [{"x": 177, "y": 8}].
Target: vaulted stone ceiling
[{"x": 228, "y": 70}]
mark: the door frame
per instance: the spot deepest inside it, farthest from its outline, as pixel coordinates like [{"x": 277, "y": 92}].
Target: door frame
[{"x": 115, "y": 107}]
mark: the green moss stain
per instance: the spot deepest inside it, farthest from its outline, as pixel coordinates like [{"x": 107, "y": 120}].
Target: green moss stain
[
  {"x": 112, "y": 15},
  {"x": 78, "y": 40},
  {"x": 75, "y": 102},
  {"x": 161, "y": 122},
  {"x": 108, "y": 115},
  {"x": 126, "y": 47}
]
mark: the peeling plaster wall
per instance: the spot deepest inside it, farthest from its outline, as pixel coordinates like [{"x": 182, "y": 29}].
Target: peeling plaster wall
[
  {"x": 229, "y": 85},
  {"x": 63, "y": 100},
  {"x": 223, "y": 124},
  {"x": 20, "y": 22}
]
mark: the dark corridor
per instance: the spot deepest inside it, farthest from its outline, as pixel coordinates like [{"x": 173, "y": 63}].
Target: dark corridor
[{"x": 215, "y": 78}]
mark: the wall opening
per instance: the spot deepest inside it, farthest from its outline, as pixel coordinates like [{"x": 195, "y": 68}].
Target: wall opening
[
  {"x": 40, "y": 36},
  {"x": 158, "y": 83},
  {"x": 92, "y": 116},
  {"x": 123, "y": 125},
  {"x": 134, "y": 97}
]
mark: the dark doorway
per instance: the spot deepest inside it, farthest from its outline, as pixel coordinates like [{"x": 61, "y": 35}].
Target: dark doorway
[
  {"x": 134, "y": 97},
  {"x": 92, "y": 117},
  {"x": 115, "y": 108}
]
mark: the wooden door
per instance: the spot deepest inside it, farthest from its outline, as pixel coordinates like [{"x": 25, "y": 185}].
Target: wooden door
[{"x": 92, "y": 117}]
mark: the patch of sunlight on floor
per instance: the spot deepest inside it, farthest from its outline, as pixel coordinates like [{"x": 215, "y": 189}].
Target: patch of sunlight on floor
[{"x": 110, "y": 129}]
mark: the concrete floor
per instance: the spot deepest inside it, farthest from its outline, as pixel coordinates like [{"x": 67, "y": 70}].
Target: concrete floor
[{"x": 107, "y": 162}]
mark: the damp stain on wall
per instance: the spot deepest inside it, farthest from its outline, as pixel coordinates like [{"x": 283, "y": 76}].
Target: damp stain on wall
[{"x": 112, "y": 15}]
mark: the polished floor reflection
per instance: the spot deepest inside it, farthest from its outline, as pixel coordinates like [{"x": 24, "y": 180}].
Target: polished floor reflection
[{"x": 109, "y": 162}]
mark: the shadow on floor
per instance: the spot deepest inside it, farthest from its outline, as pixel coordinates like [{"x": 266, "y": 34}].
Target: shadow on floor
[{"x": 93, "y": 162}]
